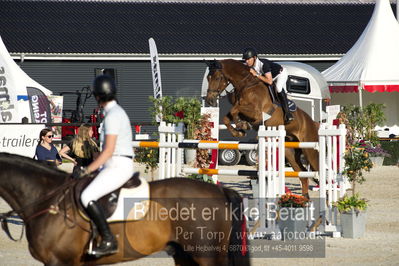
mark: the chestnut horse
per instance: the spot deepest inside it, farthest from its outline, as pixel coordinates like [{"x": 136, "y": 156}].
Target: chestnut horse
[
  {"x": 250, "y": 99},
  {"x": 58, "y": 235}
]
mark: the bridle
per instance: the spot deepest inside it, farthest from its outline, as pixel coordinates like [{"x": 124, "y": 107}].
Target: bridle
[
  {"x": 52, "y": 209},
  {"x": 218, "y": 92}
]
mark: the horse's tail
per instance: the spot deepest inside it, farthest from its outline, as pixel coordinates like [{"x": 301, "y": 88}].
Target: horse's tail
[{"x": 238, "y": 253}]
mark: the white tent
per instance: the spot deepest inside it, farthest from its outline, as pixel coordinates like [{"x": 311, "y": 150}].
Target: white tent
[
  {"x": 20, "y": 96},
  {"x": 371, "y": 65}
]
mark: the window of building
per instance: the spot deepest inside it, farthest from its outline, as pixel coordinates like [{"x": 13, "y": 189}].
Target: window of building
[{"x": 297, "y": 84}]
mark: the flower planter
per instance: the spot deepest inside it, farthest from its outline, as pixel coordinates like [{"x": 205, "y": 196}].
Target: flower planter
[
  {"x": 293, "y": 223},
  {"x": 377, "y": 161},
  {"x": 190, "y": 156},
  {"x": 353, "y": 224}
]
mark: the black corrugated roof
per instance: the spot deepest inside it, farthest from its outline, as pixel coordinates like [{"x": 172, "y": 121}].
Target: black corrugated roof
[{"x": 180, "y": 28}]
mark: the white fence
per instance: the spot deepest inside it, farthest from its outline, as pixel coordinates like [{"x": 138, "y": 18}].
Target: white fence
[{"x": 271, "y": 170}]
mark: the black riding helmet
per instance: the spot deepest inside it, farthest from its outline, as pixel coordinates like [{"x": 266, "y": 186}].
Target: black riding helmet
[
  {"x": 104, "y": 88},
  {"x": 248, "y": 53}
]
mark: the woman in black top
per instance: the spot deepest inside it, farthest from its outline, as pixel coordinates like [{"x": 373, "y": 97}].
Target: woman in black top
[{"x": 83, "y": 149}]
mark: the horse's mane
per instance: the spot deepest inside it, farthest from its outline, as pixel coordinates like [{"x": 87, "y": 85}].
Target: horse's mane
[
  {"x": 29, "y": 165},
  {"x": 237, "y": 64},
  {"x": 239, "y": 68}
]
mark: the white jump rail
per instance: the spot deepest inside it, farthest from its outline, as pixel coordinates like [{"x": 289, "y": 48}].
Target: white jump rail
[{"x": 271, "y": 169}]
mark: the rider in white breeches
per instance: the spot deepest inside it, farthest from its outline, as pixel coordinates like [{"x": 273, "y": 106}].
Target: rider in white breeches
[{"x": 116, "y": 160}]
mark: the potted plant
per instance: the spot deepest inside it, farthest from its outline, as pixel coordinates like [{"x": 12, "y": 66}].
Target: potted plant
[
  {"x": 175, "y": 110},
  {"x": 361, "y": 137},
  {"x": 148, "y": 157},
  {"x": 357, "y": 160},
  {"x": 293, "y": 216},
  {"x": 179, "y": 110},
  {"x": 202, "y": 159},
  {"x": 377, "y": 154},
  {"x": 352, "y": 211},
  {"x": 360, "y": 124}
]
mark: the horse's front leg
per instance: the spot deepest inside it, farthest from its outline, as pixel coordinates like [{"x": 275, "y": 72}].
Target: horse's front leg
[
  {"x": 242, "y": 124},
  {"x": 233, "y": 115}
]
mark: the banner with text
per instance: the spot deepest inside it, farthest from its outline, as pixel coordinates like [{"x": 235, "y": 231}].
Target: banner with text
[{"x": 19, "y": 139}]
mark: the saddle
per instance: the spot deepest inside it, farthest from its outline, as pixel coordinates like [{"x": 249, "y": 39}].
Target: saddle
[{"x": 110, "y": 201}]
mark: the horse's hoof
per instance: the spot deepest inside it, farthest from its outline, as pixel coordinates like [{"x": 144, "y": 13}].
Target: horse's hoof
[
  {"x": 236, "y": 134},
  {"x": 243, "y": 125},
  {"x": 241, "y": 133},
  {"x": 246, "y": 126}
]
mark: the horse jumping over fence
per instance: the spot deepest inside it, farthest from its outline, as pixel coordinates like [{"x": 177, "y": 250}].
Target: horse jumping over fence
[
  {"x": 250, "y": 99},
  {"x": 58, "y": 235}
]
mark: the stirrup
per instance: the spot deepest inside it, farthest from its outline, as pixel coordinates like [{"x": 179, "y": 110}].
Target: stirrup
[{"x": 106, "y": 248}]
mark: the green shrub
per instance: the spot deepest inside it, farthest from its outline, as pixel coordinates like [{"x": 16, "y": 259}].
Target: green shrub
[
  {"x": 203, "y": 178},
  {"x": 392, "y": 147},
  {"x": 179, "y": 109},
  {"x": 347, "y": 204},
  {"x": 148, "y": 157}
]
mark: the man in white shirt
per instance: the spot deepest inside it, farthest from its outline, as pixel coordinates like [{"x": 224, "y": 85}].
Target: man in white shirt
[{"x": 268, "y": 71}]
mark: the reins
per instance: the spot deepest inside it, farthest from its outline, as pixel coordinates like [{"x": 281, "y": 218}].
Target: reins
[
  {"x": 245, "y": 78},
  {"x": 53, "y": 209},
  {"x": 228, "y": 83}
]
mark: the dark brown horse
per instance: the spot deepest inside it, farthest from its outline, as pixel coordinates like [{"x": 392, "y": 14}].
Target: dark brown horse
[
  {"x": 58, "y": 235},
  {"x": 250, "y": 100}
]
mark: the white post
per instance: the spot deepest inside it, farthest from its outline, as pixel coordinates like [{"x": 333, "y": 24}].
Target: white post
[
  {"x": 274, "y": 185},
  {"x": 322, "y": 173},
  {"x": 173, "y": 155},
  {"x": 262, "y": 176},
  {"x": 168, "y": 151},
  {"x": 262, "y": 163},
  {"x": 162, "y": 139},
  {"x": 335, "y": 166},
  {"x": 360, "y": 95},
  {"x": 343, "y": 184},
  {"x": 329, "y": 173},
  {"x": 179, "y": 152},
  {"x": 335, "y": 155},
  {"x": 281, "y": 159},
  {"x": 269, "y": 165}
]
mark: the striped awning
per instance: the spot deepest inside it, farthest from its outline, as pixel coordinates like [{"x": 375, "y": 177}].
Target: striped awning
[{"x": 370, "y": 87}]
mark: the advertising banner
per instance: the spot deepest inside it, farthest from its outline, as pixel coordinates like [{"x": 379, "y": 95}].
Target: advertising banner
[
  {"x": 156, "y": 72},
  {"x": 39, "y": 106},
  {"x": 56, "y": 104},
  {"x": 19, "y": 139}
]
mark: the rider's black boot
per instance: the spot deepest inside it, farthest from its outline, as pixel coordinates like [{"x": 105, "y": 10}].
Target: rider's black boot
[
  {"x": 284, "y": 104},
  {"x": 108, "y": 244}
]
